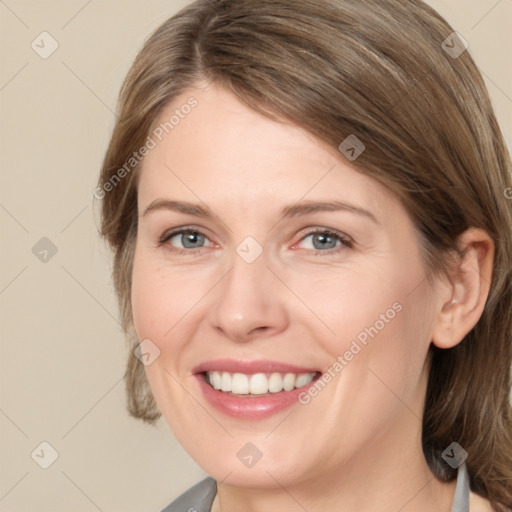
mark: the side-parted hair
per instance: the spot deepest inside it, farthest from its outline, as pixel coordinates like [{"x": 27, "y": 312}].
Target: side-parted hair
[{"x": 392, "y": 73}]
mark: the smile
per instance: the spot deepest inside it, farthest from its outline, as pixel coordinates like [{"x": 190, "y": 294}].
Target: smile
[
  {"x": 257, "y": 384},
  {"x": 253, "y": 396}
]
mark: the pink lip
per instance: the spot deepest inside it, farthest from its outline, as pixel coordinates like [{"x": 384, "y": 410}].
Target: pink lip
[
  {"x": 262, "y": 366},
  {"x": 249, "y": 407}
]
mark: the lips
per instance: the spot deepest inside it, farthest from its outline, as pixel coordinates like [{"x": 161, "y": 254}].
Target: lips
[
  {"x": 252, "y": 401},
  {"x": 247, "y": 407},
  {"x": 249, "y": 367}
]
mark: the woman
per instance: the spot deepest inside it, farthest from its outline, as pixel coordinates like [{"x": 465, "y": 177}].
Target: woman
[{"x": 340, "y": 336}]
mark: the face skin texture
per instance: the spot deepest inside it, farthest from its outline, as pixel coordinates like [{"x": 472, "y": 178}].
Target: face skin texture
[{"x": 363, "y": 430}]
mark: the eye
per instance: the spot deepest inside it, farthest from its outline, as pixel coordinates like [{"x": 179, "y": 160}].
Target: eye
[
  {"x": 183, "y": 240},
  {"x": 326, "y": 240},
  {"x": 189, "y": 241}
]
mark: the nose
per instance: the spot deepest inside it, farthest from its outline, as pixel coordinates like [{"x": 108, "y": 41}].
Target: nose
[{"x": 249, "y": 302}]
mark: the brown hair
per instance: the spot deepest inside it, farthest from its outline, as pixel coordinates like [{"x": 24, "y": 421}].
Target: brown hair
[{"x": 376, "y": 69}]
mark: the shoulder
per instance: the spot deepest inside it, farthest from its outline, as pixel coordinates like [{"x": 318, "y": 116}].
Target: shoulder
[
  {"x": 478, "y": 504},
  {"x": 198, "y": 498}
]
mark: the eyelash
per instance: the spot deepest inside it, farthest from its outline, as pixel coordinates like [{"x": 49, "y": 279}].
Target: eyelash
[{"x": 346, "y": 242}]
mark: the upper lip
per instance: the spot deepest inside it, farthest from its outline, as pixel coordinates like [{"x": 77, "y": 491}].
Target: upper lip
[{"x": 259, "y": 366}]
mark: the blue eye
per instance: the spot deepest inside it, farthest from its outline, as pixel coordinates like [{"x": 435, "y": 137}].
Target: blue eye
[
  {"x": 325, "y": 241},
  {"x": 189, "y": 239}
]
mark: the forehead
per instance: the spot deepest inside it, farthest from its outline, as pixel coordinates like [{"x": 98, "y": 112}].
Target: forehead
[{"x": 221, "y": 149}]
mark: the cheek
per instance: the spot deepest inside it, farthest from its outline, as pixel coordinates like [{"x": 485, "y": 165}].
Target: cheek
[
  {"x": 148, "y": 300},
  {"x": 381, "y": 324},
  {"x": 160, "y": 303},
  {"x": 160, "y": 299},
  {"x": 354, "y": 303},
  {"x": 388, "y": 371}
]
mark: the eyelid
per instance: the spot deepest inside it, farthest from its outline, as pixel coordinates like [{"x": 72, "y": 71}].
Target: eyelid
[
  {"x": 346, "y": 240},
  {"x": 171, "y": 233}
]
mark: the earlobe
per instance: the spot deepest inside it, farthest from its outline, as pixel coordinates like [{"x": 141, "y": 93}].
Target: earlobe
[{"x": 462, "y": 299}]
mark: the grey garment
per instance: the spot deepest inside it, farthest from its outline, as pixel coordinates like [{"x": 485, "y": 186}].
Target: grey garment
[
  {"x": 200, "y": 497},
  {"x": 461, "y": 498}
]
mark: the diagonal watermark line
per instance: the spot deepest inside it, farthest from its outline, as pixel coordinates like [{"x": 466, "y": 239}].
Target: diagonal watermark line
[
  {"x": 421, "y": 419},
  {"x": 287, "y": 492},
  {"x": 480, "y": 274},
  {"x": 307, "y": 192},
  {"x": 13, "y": 279},
  {"x": 13, "y": 217},
  {"x": 198, "y": 403},
  {"x": 301, "y": 300},
  {"x": 280, "y": 423},
  {"x": 207, "y": 206},
  {"x": 74, "y": 218},
  {"x": 486, "y": 14},
  {"x": 19, "y": 19},
  {"x": 416, "y": 494},
  {"x": 206, "y": 86},
  {"x": 14, "y": 485},
  {"x": 81, "y": 491},
  {"x": 194, "y": 305},
  {"x": 14, "y": 423},
  {"x": 219, "y": 483},
  {"x": 76, "y": 14},
  {"x": 420, "y": 283},
  {"x": 14, "y": 76},
  {"x": 495, "y": 84},
  {"x": 116, "y": 383},
  {"x": 78, "y": 78},
  {"x": 90, "y": 294}
]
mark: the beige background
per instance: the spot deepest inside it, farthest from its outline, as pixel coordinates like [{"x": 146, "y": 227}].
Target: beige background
[{"x": 63, "y": 355}]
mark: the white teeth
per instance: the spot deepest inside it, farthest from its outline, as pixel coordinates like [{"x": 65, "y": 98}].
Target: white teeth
[
  {"x": 302, "y": 380},
  {"x": 275, "y": 383},
  {"x": 289, "y": 381},
  {"x": 258, "y": 383},
  {"x": 215, "y": 380},
  {"x": 225, "y": 382},
  {"x": 240, "y": 384}
]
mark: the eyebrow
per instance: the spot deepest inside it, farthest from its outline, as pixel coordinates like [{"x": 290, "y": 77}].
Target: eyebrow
[{"x": 294, "y": 210}]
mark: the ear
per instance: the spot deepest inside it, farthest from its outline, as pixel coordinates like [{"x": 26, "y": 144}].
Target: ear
[{"x": 462, "y": 298}]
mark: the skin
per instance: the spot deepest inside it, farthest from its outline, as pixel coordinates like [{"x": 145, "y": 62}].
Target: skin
[{"x": 294, "y": 306}]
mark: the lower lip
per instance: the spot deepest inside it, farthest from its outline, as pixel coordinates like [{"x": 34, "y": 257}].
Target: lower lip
[{"x": 249, "y": 407}]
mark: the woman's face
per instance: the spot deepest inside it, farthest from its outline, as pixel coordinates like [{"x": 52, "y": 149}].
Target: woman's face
[{"x": 257, "y": 286}]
